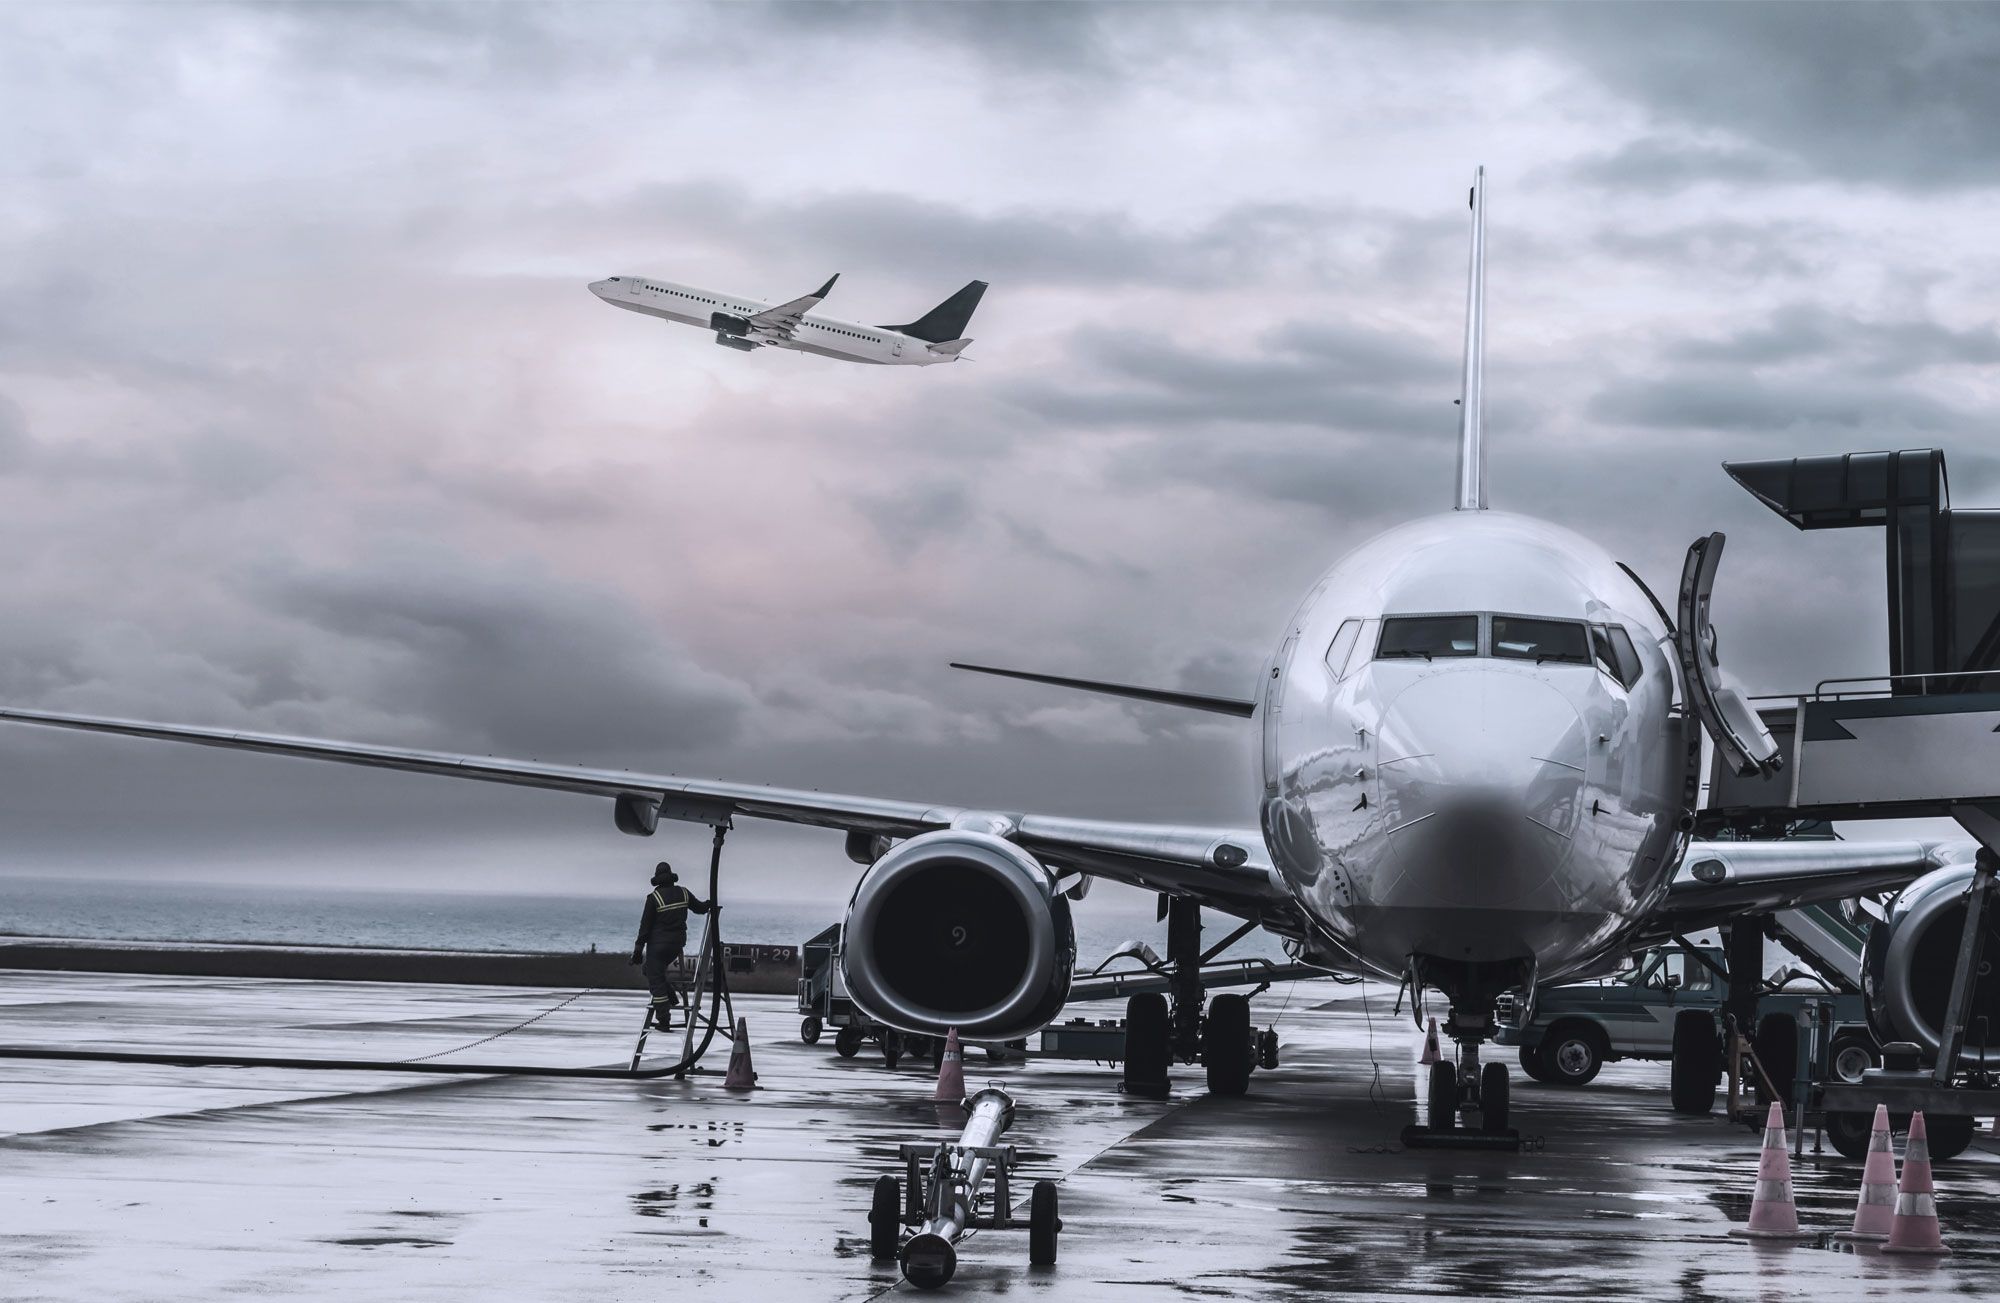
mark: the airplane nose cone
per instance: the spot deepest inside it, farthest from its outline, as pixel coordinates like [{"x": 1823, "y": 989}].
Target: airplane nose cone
[
  {"x": 600, "y": 288},
  {"x": 1482, "y": 775}
]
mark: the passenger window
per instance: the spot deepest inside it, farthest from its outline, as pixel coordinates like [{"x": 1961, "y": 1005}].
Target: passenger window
[
  {"x": 1342, "y": 648},
  {"x": 1518, "y": 638},
  {"x": 1428, "y": 637}
]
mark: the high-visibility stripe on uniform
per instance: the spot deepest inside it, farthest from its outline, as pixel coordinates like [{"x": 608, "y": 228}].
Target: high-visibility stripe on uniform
[{"x": 660, "y": 903}]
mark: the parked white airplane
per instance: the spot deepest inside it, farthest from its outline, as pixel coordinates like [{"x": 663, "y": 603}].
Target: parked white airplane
[
  {"x": 1474, "y": 779},
  {"x": 746, "y": 324}
]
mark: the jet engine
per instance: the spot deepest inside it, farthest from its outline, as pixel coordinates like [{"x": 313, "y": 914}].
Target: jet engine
[
  {"x": 726, "y": 323},
  {"x": 959, "y": 929},
  {"x": 1911, "y": 957}
]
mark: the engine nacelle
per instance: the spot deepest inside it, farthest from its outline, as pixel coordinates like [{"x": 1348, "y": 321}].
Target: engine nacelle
[
  {"x": 959, "y": 929},
  {"x": 1911, "y": 957},
  {"x": 728, "y": 323}
]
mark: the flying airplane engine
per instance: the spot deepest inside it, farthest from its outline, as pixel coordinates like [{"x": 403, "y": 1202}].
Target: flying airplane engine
[
  {"x": 1909, "y": 960},
  {"x": 959, "y": 929},
  {"x": 725, "y": 323}
]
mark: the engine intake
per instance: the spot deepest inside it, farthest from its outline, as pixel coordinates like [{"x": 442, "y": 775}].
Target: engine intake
[
  {"x": 1911, "y": 958},
  {"x": 728, "y": 323},
  {"x": 959, "y": 929}
]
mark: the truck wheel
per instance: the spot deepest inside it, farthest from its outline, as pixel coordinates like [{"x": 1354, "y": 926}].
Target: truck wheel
[
  {"x": 885, "y": 1218},
  {"x": 1949, "y": 1134},
  {"x": 809, "y": 1029},
  {"x": 1493, "y": 1103},
  {"x": 1043, "y": 1225},
  {"x": 1225, "y": 1045},
  {"x": 1442, "y": 1113},
  {"x": 1697, "y": 1062},
  {"x": 847, "y": 1042},
  {"x": 892, "y": 1047},
  {"x": 1531, "y": 1063},
  {"x": 1146, "y": 1048},
  {"x": 1777, "y": 1046},
  {"x": 1852, "y": 1054},
  {"x": 1848, "y": 1133},
  {"x": 1572, "y": 1053}
]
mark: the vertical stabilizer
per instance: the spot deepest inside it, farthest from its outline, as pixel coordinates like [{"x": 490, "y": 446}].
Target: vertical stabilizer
[{"x": 1471, "y": 403}]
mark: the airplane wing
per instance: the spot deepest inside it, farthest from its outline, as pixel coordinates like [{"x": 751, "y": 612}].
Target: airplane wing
[
  {"x": 1722, "y": 880},
  {"x": 1228, "y": 869},
  {"x": 781, "y": 321}
]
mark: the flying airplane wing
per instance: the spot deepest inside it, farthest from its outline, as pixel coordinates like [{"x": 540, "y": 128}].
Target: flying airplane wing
[
  {"x": 781, "y": 321},
  {"x": 1720, "y": 881},
  {"x": 1226, "y": 868}
]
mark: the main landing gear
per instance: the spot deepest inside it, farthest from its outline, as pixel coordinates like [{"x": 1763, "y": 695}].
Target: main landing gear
[{"x": 1161, "y": 1028}]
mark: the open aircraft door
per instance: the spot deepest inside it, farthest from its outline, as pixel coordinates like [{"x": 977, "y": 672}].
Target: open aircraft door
[{"x": 1730, "y": 720}]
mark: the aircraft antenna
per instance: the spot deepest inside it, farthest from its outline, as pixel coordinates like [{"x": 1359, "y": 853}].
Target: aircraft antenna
[{"x": 1471, "y": 436}]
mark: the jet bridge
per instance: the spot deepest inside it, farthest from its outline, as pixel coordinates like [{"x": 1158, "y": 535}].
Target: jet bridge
[{"x": 1912, "y": 743}]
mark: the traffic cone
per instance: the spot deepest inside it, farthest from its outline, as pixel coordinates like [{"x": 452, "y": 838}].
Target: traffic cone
[
  {"x": 951, "y": 1072},
  {"x": 1773, "y": 1215},
  {"x": 740, "y": 1076},
  {"x": 1915, "y": 1228},
  {"x": 1877, "y": 1207},
  {"x": 1430, "y": 1054}
]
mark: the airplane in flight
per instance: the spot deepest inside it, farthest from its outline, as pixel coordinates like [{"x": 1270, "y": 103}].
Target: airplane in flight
[
  {"x": 748, "y": 325},
  {"x": 1480, "y": 764}
]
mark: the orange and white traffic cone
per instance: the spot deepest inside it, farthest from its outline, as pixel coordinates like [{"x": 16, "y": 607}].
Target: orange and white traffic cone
[
  {"x": 740, "y": 1076},
  {"x": 1915, "y": 1228},
  {"x": 1430, "y": 1054},
  {"x": 1773, "y": 1215},
  {"x": 1876, "y": 1209},
  {"x": 951, "y": 1072}
]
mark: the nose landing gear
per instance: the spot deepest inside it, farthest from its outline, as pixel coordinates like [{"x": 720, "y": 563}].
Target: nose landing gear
[{"x": 1465, "y": 1088}]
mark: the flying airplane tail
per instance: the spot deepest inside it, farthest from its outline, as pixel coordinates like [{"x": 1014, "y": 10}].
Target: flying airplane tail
[
  {"x": 948, "y": 320},
  {"x": 951, "y": 347}
]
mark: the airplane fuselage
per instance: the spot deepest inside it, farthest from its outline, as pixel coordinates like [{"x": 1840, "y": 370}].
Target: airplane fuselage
[
  {"x": 827, "y": 336},
  {"x": 1470, "y": 753}
]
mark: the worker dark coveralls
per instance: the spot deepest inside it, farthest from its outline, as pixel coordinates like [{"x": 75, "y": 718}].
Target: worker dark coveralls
[{"x": 663, "y": 934}]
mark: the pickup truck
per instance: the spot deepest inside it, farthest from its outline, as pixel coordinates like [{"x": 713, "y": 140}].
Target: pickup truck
[{"x": 1630, "y": 1015}]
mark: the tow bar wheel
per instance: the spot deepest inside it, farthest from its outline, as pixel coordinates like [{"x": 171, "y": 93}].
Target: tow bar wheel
[{"x": 1043, "y": 1225}]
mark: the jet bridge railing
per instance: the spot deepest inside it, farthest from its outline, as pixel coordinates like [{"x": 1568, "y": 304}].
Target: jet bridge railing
[{"x": 1881, "y": 747}]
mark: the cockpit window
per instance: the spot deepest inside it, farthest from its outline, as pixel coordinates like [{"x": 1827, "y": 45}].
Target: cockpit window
[
  {"x": 1428, "y": 637},
  {"x": 1519, "y": 638},
  {"x": 1615, "y": 654},
  {"x": 1342, "y": 647}
]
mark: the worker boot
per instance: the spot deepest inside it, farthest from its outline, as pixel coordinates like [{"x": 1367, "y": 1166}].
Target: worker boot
[{"x": 663, "y": 1017}]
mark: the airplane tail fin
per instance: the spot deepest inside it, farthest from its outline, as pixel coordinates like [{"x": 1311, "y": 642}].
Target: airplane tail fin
[
  {"x": 950, "y": 347},
  {"x": 946, "y": 321},
  {"x": 1471, "y": 437}
]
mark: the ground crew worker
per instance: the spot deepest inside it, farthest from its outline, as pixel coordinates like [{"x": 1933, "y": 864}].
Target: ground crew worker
[{"x": 663, "y": 934}]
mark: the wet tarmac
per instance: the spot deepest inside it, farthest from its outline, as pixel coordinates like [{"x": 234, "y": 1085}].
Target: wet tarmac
[{"x": 156, "y": 1183}]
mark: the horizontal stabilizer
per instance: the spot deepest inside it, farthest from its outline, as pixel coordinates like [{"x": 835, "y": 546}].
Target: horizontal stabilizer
[
  {"x": 952, "y": 346},
  {"x": 1158, "y": 696}
]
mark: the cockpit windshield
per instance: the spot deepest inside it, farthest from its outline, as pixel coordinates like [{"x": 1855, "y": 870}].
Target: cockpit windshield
[
  {"x": 1428, "y": 637},
  {"x": 1520, "y": 638}
]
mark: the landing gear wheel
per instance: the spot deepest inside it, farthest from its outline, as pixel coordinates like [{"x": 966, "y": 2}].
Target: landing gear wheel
[
  {"x": 1697, "y": 1064},
  {"x": 1572, "y": 1054},
  {"x": 1146, "y": 1049},
  {"x": 1043, "y": 1225},
  {"x": 885, "y": 1218},
  {"x": 1949, "y": 1134},
  {"x": 1777, "y": 1047},
  {"x": 892, "y": 1047},
  {"x": 1442, "y": 1115},
  {"x": 1493, "y": 1101},
  {"x": 847, "y": 1042},
  {"x": 809, "y": 1029},
  {"x": 1848, "y": 1133},
  {"x": 1225, "y": 1045},
  {"x": 1531, "y": 1063}
]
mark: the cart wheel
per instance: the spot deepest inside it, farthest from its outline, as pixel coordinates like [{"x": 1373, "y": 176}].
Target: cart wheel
[
  {"x": 1043, "y": 1224},
  {"x": 892, "y": 1047},
  {"x": 885, "y": 1218},
  {"x": 1848, "y": 1133},
  {"x": 809, "y": 1029},
  {"x": 847, "y": 1042}
]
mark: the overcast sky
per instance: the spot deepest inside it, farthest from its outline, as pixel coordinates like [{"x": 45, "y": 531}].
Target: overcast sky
[{"x": 308, "y": 423}]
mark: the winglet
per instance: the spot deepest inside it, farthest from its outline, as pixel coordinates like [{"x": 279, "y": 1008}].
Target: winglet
[
  {"x": 827, "y": 288},
  {"x": 1471, "y": 439}
]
